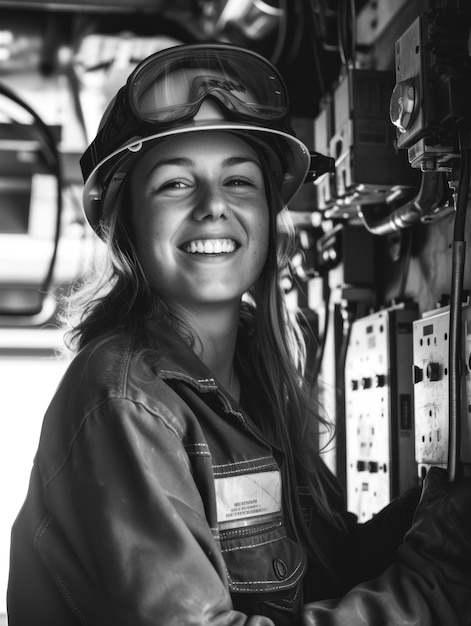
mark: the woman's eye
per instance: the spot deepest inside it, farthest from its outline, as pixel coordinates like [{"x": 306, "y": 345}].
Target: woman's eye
[
  {"x": 174, "y": 184},
  {"x": 240, "y": 182}
]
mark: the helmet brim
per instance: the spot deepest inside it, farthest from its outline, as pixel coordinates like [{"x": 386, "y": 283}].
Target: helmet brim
[{"x": 101, "y": 199}]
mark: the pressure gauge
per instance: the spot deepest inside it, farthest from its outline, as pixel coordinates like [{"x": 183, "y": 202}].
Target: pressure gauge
[{"x": 403, "y": 104}]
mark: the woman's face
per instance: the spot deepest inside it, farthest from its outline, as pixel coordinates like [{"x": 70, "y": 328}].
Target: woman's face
[{"x": 200, "y": 218}]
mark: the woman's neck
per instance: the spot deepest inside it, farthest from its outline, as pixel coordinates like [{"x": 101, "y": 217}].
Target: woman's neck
[{"x": 216, "y": 330}]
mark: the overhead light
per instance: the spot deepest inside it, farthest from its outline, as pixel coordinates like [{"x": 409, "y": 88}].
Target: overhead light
[{"x": 255, "y": 19}]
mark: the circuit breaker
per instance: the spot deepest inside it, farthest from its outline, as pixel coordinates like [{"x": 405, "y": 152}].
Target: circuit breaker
[
  {"x": 379, "y": 410},
  {"x": 431, "y": 394}
]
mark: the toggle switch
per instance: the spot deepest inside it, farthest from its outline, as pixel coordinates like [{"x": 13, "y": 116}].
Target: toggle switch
[{"x": 433, "y": 371}]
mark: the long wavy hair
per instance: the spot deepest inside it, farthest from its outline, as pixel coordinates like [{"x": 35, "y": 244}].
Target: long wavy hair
[{"x": 117, "y": 298}]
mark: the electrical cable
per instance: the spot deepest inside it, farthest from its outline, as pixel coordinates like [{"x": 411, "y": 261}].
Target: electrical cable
[
  {"x": 299, "y": 25},
  {"x": 405, "y": 264},
  {"x": 346, "y": 32},
  {"x": 353, "y": 34},
  {"x": 49, "y": 143},
  {"x": 282, "y": 33},
  {"x": 326, "y": 293},
  {"x": 293, "y": 12},
  {"x": 315, "y": 51},
  {"x": 341, "y": 34},
  {"x": 454, "y": 353}
]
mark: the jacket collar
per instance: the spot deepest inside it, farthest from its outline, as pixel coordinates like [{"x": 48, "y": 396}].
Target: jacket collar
[{"x": 178, "y": 360}]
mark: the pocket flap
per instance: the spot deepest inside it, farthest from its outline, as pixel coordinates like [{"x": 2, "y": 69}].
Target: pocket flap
[{"x": 263, "y": 562}]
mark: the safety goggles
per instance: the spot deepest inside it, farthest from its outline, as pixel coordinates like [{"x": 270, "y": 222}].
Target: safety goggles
[{"x": 168, "y": 88}]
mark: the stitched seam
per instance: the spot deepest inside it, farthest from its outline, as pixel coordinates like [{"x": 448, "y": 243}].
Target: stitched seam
[
  {"x": 123, "y": 372},
  {"x": 42, "y": 529},
  {"x": 190, "y": 453},
  {"x": 245, "y": 532},
  {"x": 254, "y": 545},
  {"x": 197, "y": 445},
  {"x": 289, "y": 582},
  {"x": 235, "y": 471},
  {"x": 261, "y": 458},
  {"x": 286, "y": 608},
  {"x": 209, "y": 382}
]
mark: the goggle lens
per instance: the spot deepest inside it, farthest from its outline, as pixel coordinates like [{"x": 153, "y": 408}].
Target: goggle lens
[
  {"x": 172, "y": 89},
  {"x": 168, "y": 88}
]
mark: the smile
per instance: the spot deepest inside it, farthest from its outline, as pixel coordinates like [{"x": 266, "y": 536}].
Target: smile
[{"x": 210, "y": 246}]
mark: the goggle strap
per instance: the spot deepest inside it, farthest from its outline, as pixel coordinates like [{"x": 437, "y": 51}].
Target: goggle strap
[{"x": 320, "y": 164}]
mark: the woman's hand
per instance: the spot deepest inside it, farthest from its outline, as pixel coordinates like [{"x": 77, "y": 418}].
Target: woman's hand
[{"x": 430, "y": 584}]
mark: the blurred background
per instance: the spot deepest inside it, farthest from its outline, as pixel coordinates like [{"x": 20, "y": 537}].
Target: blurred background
[{"x": 382, "y": 87}]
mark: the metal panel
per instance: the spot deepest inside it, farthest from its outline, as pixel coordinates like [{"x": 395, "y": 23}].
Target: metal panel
[{"x": 379, "y": 416}]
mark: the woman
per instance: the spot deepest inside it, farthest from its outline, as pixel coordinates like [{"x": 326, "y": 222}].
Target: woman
[{"x": 177, "y": 479}]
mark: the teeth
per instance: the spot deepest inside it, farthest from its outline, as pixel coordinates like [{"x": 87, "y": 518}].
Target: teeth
[{"x": 210, "y": 246}]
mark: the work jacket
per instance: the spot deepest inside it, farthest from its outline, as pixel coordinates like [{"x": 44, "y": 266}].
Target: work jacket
[{"x": 155, "y": 499}]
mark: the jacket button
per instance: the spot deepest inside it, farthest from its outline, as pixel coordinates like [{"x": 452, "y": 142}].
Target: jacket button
[{"x": 281, "y": 569}]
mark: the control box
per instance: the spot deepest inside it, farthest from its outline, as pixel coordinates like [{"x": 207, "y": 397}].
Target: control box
[
  {"x": 432, "y": 97},
  {"x": 379, "y": 417},
  {"x": 367, "y": 164},
  {"x": 431, "y": 393}
]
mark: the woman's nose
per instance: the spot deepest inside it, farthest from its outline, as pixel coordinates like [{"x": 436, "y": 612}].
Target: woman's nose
[{"x": 212, "y": 205}]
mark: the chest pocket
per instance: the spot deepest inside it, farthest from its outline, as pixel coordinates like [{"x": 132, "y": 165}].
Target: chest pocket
[
  {"x": 265, "y": 571},
  {"x": 265, "y": 567}
]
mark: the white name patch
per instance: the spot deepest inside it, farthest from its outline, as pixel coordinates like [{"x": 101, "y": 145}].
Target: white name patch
[{"x": 247, "y": 496}]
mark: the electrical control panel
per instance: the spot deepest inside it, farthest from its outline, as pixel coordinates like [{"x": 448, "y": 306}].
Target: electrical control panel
[
  {"x": 379, "y": 410},
  {"x": 363, "y": 136},
  {"x": 432, "y": 97},
  {"x": 431, "y": 394}
]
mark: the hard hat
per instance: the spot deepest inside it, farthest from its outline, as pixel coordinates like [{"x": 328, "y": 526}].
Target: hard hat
[{"x": 162, "y": 98}]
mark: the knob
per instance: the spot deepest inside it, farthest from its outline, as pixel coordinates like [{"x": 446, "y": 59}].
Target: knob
[
  {"x": 380, "y": 380},
  {"x": 403, "y": 105}
]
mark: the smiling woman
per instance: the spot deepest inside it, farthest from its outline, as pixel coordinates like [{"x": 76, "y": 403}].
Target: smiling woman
[
  {"x": 200, "y": 224},
  {"x": 178, "y": 479}
]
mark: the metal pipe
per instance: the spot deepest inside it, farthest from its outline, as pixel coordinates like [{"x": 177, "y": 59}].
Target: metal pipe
[{"x": 429, "y": 197}]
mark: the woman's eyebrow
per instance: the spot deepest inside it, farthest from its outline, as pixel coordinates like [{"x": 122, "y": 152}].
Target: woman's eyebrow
[
  {"x": 187, "y": 162},
  {"x": 241, "y": 159},
  {"x": 184, "y": 161}
]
